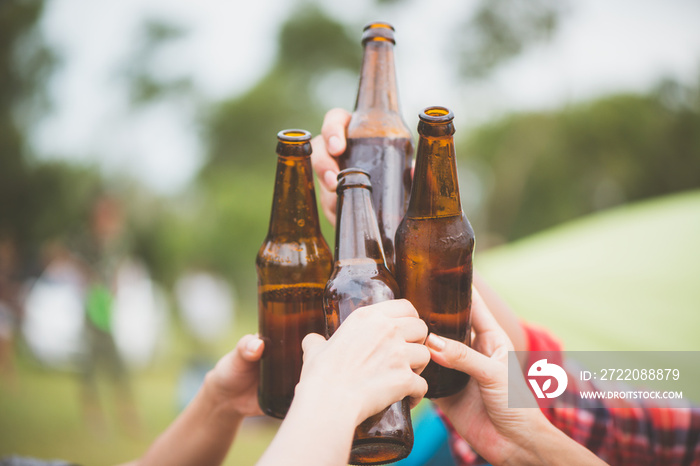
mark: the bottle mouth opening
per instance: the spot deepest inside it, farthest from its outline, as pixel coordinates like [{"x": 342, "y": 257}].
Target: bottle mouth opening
[
  {"x": 436, "y": 114},
  {"x": 294, "y": 135}
]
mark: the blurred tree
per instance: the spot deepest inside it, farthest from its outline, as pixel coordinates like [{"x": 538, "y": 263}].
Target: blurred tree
[
  {"x": 495, "y": 31},
  {"x": 546, "y": 168},
  {"x": 502, "y": 29},
  {"x": 310, "y": 46},
  {"x": 221, "y": 222},
  {"x": 143, "y": 79},
  {"x": 38, "y": 200},
  {"x": 17, "y": 20},
  {"x": 241, "y": 134}
]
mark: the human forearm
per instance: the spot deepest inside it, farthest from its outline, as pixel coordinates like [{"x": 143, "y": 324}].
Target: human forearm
[
  {"x": 548, "y": 445},
  {"x": 318, "y": 429},
  {"x": 201, "y": 435}
]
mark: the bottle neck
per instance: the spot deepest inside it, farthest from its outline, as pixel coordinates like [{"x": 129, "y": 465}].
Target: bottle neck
[
  {"x": 294, "y": 212},
  {"x": 378, "y": 90},
  {"x": 357, "y": 233},
  {"x": 435, "y": 190}
]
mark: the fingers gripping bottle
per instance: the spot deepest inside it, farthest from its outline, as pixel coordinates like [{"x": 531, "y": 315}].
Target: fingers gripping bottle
[
  {"x": 378, "y": 139},
  {"x": 359, "y": 278},
  {"x": 293, "y": 265},
  {"x": 435, "y": 245}
]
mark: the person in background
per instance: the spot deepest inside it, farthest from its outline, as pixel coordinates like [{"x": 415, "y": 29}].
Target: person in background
[
  {"x": 101, "y": 254},
  {"x": 9, "y": 307}
]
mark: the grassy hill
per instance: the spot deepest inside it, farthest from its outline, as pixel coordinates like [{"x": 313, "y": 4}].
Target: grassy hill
[{"x": 624, "y": 279}]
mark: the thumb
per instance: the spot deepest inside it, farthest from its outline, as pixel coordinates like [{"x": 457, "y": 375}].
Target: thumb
[
  {"x": 243, "y": 358},
  {"x": 250, "y": 348},
  {"x": 455, "y": 355}
]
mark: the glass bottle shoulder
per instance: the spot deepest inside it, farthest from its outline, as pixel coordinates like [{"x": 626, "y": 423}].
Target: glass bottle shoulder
[
  {"x": 350, "y": 292},
  {"x": 448, "y": 231},
  {"x": 304, "y": 252},
  {"x": 378, "y": 123},
  {"x": 351, "y": 273}
]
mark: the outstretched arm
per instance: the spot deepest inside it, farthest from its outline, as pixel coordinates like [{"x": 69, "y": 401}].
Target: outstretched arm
[{"x": 203, "y": 433}]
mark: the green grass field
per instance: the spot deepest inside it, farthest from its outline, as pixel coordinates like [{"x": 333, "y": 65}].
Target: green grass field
[{"x": 625, "y": 279}]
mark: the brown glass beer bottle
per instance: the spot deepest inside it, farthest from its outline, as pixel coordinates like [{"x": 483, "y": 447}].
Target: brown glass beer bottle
[
  {"x": 360, "y": 278},
  {"x": 378, "y": 139},
  {"x": 293, "y": 265},
  {"x": 435, "y": 245}
]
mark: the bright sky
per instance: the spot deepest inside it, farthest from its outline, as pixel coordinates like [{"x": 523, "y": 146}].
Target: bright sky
[{"x": 603, "y": 47}]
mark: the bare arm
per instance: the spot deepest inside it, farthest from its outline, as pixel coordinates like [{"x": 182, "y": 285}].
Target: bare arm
[{"x": 203, "y": 433}]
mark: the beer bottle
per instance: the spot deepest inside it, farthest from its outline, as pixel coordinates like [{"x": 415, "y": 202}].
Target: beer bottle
[
  {"x": 378, "y": 139},
  {"x": 435, "y": 244},
  {"x": 293, "y": 266},
  {"x": 360, "y": 278}
]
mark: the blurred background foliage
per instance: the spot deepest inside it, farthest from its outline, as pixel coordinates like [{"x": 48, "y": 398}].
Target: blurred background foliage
[
  {"x": 502, "y": 29},
  {"x": 593, "y": 155},
  {"x": 527, "y": 172}
]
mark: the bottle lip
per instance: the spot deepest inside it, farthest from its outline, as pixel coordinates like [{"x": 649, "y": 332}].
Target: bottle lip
[
  {"x": 436, "y": 114},
  {"x": 353, "y": 177},
  {"x": 378, "y": 31},
  {"x": 378, "y": 24},
  {"x": 294, "y": 136}
]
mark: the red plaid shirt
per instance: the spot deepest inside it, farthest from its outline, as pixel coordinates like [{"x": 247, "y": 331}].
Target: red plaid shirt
[{"x": 637, "y": 434}]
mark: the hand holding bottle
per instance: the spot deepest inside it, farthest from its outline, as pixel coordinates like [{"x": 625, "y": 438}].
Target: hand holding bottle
[
  {"x": 360, "y": 278},
  {"x": 234, "y": 379},
  {"x": 327, "y": 147},
  {"x": 480, "y": 412},
  {"x": 373, "y": 360},
  {"x": 370, "y": 362},
  {"x": 377, "y": 139}
]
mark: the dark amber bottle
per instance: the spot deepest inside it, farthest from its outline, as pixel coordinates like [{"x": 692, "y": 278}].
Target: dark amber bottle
[
  {"x": 435, "y": 245},
  {"x": 293, "y": 265},
  {"x": 360, "y": 278},
  {"x": 378, "y": 139}
]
